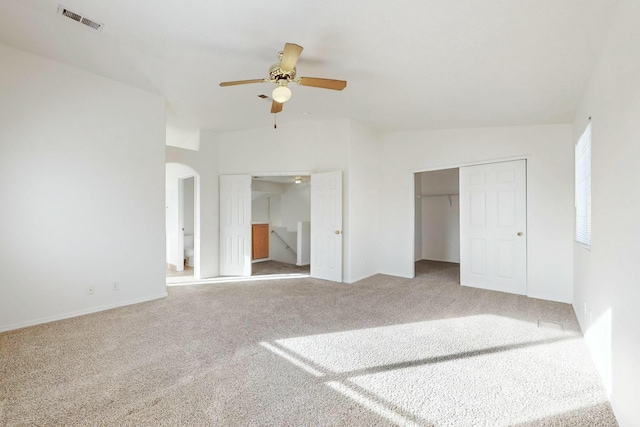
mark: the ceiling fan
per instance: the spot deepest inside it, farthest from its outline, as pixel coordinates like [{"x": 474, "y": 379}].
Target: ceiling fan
[{"x": 283, "y": 73}]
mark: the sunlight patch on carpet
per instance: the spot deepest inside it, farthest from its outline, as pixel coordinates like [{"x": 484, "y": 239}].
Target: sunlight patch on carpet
[{"x": 482, "y": 367}]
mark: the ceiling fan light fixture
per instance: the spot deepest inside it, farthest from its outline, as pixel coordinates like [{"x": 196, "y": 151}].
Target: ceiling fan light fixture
[{"x": 281, "y": 93}]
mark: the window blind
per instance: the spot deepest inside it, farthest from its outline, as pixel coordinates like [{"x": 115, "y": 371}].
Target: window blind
[{"x": 583, "y": 188}]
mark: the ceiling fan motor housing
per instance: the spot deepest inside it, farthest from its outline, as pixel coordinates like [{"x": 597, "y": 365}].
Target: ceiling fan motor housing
[{"x": 276, "y": 73}]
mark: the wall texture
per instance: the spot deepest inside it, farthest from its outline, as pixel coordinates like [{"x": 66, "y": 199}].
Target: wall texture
[
  {"x": 365, "y": 173},
  {"x": 296, "y": 205},
  {"x": 81, "y": 179},
  {"x": 606, "y": 276}
]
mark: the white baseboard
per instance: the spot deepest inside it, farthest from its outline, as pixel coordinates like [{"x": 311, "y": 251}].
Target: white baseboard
[
  {"x": 42, "y": 320},
  {"x": 440, "y": 260}
]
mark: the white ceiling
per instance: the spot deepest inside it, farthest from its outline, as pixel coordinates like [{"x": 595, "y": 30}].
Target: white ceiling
[{"x": 410, "y": 64}]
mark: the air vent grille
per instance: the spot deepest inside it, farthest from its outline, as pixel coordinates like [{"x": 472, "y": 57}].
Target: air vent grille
[
  {"x": 71, "y": 15},
  {"x": 79, "y": 18}
]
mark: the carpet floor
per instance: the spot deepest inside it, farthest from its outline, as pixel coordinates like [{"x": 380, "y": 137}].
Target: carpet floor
[
  {"x": 275, "y": 267},
  {"x": 304, "y": 352}
]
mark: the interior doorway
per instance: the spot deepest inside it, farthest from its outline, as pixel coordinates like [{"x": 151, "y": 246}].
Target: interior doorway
[
  {"x": 437, "y": 216},
  {"x": 324, "y": 228},
  {"x": 280, "y": 224},
  {"x": 182, "y": 223},
  {"x": 474, "y": 216},
  {"x": 437, "y": 221}
]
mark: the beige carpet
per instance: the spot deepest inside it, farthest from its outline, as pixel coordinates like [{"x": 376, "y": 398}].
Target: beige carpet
[
  {"x": 304, "y": 352},
  {"x": 275, "y": 267}
]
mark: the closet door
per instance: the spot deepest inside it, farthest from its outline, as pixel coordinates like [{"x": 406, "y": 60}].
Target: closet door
[{"x": 493, "y": 225}]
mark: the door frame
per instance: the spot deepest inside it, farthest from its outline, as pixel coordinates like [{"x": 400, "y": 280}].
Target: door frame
[
  {"x": 460, "y": 165},
  {"x": 196, "y": 220},
  {"x": 189, "y": 172},
  {"x": 271, "y": 174}
]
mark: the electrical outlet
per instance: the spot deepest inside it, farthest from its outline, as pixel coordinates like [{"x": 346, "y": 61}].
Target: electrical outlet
[
  {"x": 116, "y": 286},
  {"x": 91, "y": 290}
]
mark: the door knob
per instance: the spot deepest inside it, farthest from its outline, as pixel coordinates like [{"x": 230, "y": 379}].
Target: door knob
[
  {"x": 520, "y": 233},
  {"x": 337, "y": 231}
]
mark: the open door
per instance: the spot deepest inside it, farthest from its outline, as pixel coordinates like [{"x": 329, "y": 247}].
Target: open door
[
  {"x": 235, "y": 225},
  {"x": 493, "y": 225},
  {"x": 326, "y": 226}
]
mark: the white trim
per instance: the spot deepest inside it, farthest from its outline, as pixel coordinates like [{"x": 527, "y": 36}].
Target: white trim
[
  {"x": 80, "y": 312},
  {"x": 473, "y": 163},
  {"x": 583, "y": 188}
]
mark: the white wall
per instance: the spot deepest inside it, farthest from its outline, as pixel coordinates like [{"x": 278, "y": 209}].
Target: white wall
[
  {"x": 296, "y": 205},
  {"x": 441, "y": 228},
  {"x": 259, "y": 207},
  {"x": 266, "y": 187},
  {"x": 440, "y": 215},
  {"x": 549, "y": 151},
  {"x": 189, "y": 204},
  {"x": 606, "y": 277},
  {"x": 365, "y": 173},
  {"x": 278, "y": 248},
  {"x": 304, "y": 243},
  {"x": 275, "y": 210},
  {"x": 81, "y": 179},
  {"x": 265, "y": 202},
  {"x": 446, "y": 181},
  {"x": 205, "y": 163}
]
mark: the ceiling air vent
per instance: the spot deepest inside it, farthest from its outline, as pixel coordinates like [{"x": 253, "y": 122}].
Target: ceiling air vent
[{"x": 79, "y": 18}]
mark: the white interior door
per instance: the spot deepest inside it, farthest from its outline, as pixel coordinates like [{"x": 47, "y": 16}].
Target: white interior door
[
  {"x": 235, "y": 225},
  {"x": 493, "y": 225},
  {"x": 326, "y": 226}
]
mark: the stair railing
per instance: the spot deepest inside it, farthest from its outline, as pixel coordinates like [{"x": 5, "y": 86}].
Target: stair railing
[{"x": 285, "y": 243}]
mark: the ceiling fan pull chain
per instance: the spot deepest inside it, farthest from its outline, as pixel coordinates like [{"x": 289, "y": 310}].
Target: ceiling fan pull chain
[{"x": 275, "y": 124}]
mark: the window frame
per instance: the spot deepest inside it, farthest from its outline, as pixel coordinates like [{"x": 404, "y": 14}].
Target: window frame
[{"x": 583, "y": 188}]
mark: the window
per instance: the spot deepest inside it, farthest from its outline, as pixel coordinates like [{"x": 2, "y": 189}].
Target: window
[{"x": 583, "y": 188}]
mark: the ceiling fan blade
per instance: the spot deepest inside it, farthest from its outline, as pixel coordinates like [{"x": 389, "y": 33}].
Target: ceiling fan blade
[
  {"x": 276, "y": 107},
  {"x": 322, "y": 83},
  {"x": 243, "y": 82},
  {"x": 290, "y": 56}
]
